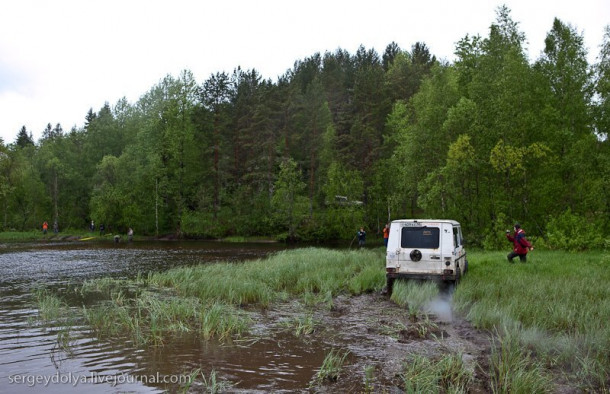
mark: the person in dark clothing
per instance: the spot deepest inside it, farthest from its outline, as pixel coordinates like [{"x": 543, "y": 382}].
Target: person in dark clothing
[
  {"x": 520, "y": 245},
  {"x": 361, "y": 237}
]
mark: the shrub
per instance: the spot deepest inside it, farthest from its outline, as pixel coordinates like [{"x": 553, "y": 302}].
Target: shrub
[
  {"x": 494, "y": 238},
  {"x": 573, "y": 232}
]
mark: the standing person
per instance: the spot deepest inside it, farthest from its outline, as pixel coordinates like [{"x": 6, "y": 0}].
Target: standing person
[
  {"x": 130, "y": 234},
  {"x": 386, "y": 234},
  {"x": 45, "y": 227},
  {"x": 361, "y": 236},
  {"x": 92, "y": 226},
  {"x": 102, "y": 229},
  {"x": 521, "y": 245},
  {"x": 55, "y": 227}
]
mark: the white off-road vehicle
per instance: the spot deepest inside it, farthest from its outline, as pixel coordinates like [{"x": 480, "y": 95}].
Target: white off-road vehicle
[{"x": 425, "y": 249}]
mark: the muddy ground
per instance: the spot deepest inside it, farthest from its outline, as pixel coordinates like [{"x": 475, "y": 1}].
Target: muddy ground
[{"x": 381, "y": 335}]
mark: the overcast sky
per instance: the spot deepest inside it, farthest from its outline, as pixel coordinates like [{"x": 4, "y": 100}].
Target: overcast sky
[{"x": 60, "y": 58}]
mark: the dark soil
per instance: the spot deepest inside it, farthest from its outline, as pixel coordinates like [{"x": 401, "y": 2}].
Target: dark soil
[{"x": 381, "y": 335}]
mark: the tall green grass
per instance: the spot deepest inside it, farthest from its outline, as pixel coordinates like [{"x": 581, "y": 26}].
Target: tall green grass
[
  {"x": 153, "y": 319},
  {"x": 557, "y": 304},
  {"x": 21, "y": 235},
  {"x": 295, "y": 273},
  {"x": 207, "y": 299},
  {"x": 331, "y": 366},
  {"x": 50, "y": 306},
  {"x": 414, "y": 295},
  {"x": 444, "y": 374}
]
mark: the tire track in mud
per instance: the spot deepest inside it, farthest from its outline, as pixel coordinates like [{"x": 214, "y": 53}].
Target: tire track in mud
[{"x": 380, "y": 334}]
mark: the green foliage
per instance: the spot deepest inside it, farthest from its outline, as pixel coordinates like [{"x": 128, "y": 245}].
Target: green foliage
[
  {"x": 490, "y": 134},
  {"x": 570, "y": 231},
  {"x": 495, "y": 237},
  {"x": 289, "y": 203}
]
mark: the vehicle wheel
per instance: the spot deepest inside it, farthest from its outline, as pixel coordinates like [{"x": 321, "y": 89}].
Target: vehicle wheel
[{"x": 390, "y": 285}]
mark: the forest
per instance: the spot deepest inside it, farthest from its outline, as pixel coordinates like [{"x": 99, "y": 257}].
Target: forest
[{"x": 340, "y": 141}]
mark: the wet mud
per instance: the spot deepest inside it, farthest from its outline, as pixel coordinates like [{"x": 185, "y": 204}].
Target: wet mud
[{"x": 380, "y": 336}]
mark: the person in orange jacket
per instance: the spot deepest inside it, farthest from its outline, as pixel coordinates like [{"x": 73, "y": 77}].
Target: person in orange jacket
[
  {"x": 45, "y": 227},
  {"x": 386, "y": 234}
]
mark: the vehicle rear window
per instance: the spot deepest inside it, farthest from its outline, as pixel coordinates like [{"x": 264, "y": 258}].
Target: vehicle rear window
[{"x": 420, "y": 237}]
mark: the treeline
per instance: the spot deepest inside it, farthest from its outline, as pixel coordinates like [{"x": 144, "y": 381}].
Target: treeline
[{"x": 339, "y": 141}]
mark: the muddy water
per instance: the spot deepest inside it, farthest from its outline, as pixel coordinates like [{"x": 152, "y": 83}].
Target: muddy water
[{"x": 34, "y": 358}]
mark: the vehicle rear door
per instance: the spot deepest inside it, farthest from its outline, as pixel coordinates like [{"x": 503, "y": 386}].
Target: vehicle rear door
[{"x": 420, "y": 245}]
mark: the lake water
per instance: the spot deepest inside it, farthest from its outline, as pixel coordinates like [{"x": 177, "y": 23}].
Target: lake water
[{"x": 33, "y": 360}]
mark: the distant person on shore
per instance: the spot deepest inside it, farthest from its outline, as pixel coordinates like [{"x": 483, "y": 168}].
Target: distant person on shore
[
  {"x": 520, "y": 245},
  {"x": 361, "y": 236},
  {"x": 130, "y": 234},
  {"x": 102, "y": 229},
  {"x": 45, "y": 227},
  {"x": 55, "y": 227},
  {"x": 386, "y": 234},
  {"x": 92, "y": 226}
]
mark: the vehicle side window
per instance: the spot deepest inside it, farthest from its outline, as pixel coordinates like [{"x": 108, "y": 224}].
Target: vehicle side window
[{"x": 456, "y": 237}]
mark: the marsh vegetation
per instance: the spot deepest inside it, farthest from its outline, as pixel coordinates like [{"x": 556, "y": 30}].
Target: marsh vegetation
[{"x": 539, "y": 326}]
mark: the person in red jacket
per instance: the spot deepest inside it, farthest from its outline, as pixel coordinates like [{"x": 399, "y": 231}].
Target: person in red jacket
[{"x": 521, "y": 245}]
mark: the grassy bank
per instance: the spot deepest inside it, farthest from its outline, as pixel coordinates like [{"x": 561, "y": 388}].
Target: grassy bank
[
  {"x": 209, "y": 299},
  {"x": 37, "y": 235},
  {"x": 550, "y": 314},
  {"x": 313, "y": 274}
]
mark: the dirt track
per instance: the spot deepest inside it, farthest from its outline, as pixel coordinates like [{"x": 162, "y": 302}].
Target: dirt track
[{"x": 379, "y": 334}]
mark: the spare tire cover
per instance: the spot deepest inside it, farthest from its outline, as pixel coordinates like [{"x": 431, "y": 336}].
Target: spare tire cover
[{"x": 415, "y": 255}]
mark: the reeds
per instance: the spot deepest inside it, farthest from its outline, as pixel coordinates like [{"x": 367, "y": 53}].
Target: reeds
[
  {"x": 207, "y": 299},
  {"x": 414, "y": 294},
  {"x": 444, "y": 374},
  {"x": 50, "y": 306},
  {"x": 331, "y": 366},
  {"x": 513, "y": 369},
  {"x": 152, "y": 319},
  {"x": 295, "y": 273},
  {"x": 214, "y": 385},
  {"x": 301, "y": 325}
]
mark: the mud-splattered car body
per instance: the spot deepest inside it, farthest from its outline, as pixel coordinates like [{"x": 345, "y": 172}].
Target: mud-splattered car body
[{"x": 425, "y": 249}]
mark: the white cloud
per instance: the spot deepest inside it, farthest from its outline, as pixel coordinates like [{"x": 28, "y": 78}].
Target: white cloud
[{"x": 62, "y": 57}]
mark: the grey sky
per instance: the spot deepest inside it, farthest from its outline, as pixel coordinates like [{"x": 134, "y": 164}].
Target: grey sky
[{"x": 59, "y": 58}]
